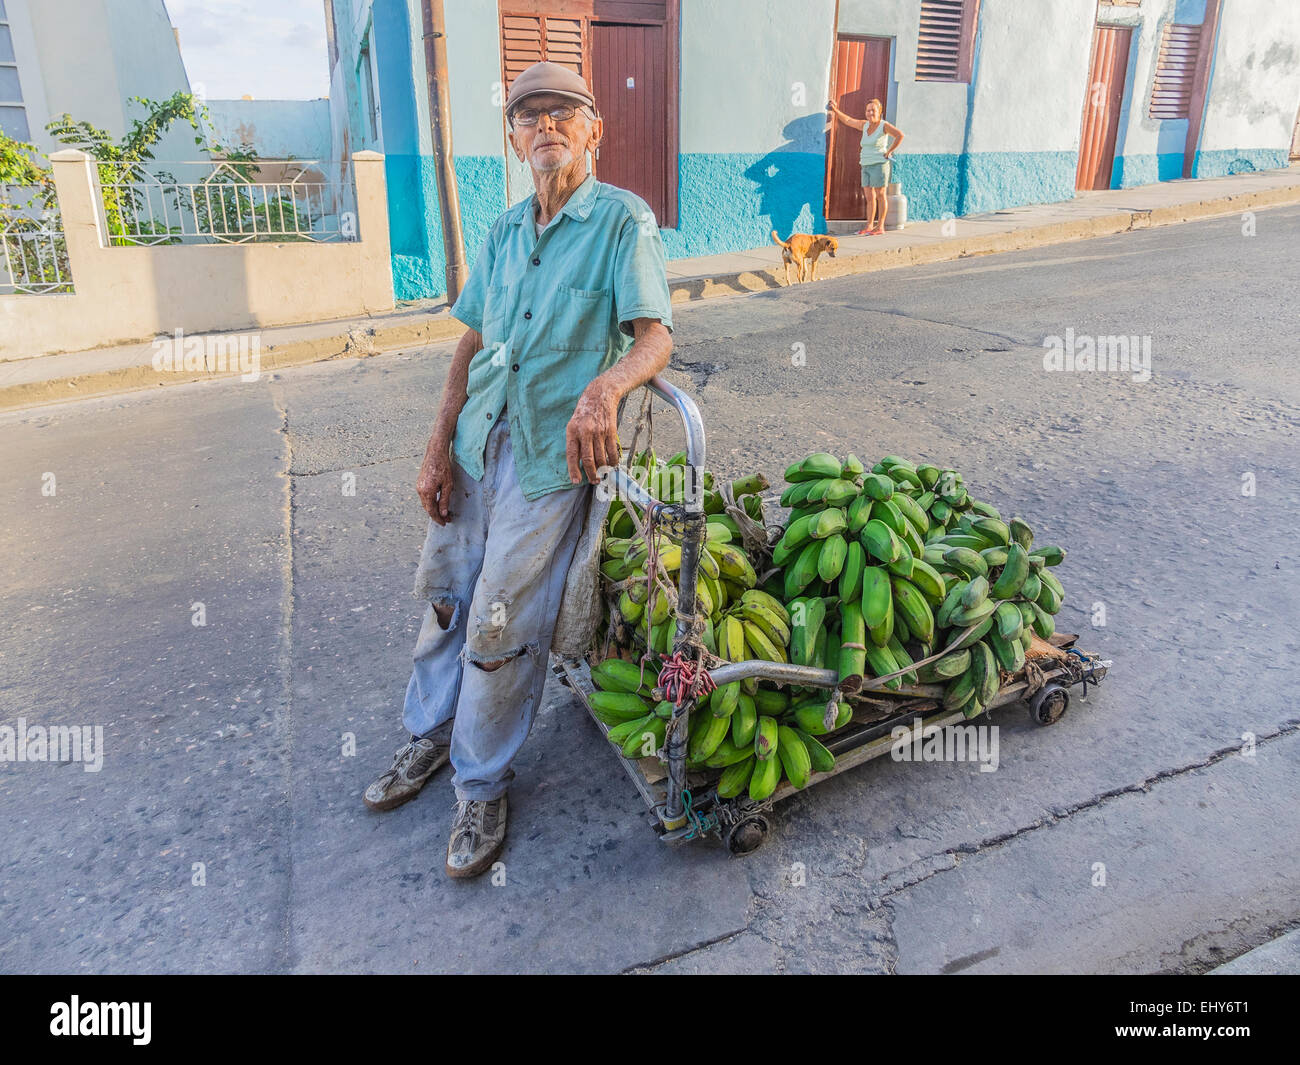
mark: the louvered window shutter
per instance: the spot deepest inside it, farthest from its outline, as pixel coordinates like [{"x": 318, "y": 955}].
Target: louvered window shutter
[
  {"x": 1171, "y": 93},
  {"x": 946, "y": 40},
  {"x": 521, "y": 44},
  {"x": 528, "y": 39}
]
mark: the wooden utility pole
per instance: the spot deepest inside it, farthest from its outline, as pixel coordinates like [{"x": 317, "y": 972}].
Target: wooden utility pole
[{"x": 435, "y": 68}]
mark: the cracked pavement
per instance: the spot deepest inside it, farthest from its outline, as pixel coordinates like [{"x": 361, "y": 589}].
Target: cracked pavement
[{"x": 226, "y": 832}]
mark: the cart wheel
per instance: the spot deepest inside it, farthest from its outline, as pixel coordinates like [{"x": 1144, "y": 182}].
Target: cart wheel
[
  {"x": 1049, "y": 704},
  {"x": 747, "y": 836}
]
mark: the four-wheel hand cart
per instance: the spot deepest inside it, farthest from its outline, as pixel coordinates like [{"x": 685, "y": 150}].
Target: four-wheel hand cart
[{"x": 685, "y": 805}]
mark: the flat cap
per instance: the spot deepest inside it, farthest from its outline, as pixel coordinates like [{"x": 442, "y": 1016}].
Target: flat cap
[{"x": 552, "y": 78}]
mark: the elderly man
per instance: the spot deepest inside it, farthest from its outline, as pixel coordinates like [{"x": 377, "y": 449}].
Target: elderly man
[{"x": 566, "y": 311}]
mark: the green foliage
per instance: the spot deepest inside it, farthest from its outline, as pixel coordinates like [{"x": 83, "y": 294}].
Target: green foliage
[{"x": 224, "y": 207}]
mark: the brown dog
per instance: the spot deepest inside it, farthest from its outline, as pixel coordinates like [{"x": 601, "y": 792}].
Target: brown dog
[{"x": 802, "y": 249}]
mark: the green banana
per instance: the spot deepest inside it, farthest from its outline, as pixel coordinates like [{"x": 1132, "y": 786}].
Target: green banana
[
  {"x": 855, "y": 561},
  {"x": 853, "y": 646},
  {"x": 1021, "y": 533},
  {"x": 713, "y": 730},
  {"x": 744, "y": 721},
  {"x": 985, "y": 668},
  {"x": 764, "y": 779},
  {"x": 877, "y": 600},
  {"x": 617, "y": 675},
  {"x": 765, "y": 739},
  {"x": 860, "y": 513},
  {"x": 1007, "y": 621},
  {"x": 977, "y": 591},
  {"x": 795, "y": 759},
  {"x": 801, "y": 574},
  {"x": 880, "y": 541},
  {"x": 828, "y": 523},
  {"x": 1049, "y": 553},
  {"x": 830, "y": 562},
  {"x": 806, "y": 619},
  {"x": 1013, "y": 575},
  {"x": 967, "y": 560},
  {"x": 878, "y": 486},
  {"x": 944, "y": 669},
  {"x": 818, "y": 753},
  {"x": 735, "y": 778},
  {"x": 911, "y": 604},
  {"x": 771, "y": 701}
]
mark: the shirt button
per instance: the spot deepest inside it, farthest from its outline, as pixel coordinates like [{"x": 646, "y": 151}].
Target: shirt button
[
  {"x": 515, "y": 367},
  {"x": 489, "y": 417},
  {"x": 537, "y": 262},
  {"x": 528, "y": 314}
]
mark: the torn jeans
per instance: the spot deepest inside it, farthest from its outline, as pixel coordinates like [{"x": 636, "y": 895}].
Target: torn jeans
[{"x": 500, "y": 565}]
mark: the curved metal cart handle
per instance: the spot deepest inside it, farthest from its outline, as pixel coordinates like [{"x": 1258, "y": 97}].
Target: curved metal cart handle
[
  {"x": 626, "y": 486},
  {"x": 690, "y": 415}
]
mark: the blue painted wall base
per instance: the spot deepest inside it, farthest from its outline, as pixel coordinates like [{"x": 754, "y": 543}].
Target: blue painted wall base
[{"x": 732, "y": 202}]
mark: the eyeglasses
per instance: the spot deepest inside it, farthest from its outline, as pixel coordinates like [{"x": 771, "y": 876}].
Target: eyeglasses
[{"x": 529, "y": 116}]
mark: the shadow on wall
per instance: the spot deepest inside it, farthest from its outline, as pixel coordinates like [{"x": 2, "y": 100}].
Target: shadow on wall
[
  {"x": 785, "y": 179},
  {"x": 731, "y": 202}
]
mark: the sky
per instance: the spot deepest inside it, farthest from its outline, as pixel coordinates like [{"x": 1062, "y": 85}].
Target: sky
[{"x": 267, "y": 49}]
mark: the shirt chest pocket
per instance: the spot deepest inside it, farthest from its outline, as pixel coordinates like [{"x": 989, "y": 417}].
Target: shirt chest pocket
[
  {"x": 494, "y": 312},
  {"x": 581, "y": 320}
]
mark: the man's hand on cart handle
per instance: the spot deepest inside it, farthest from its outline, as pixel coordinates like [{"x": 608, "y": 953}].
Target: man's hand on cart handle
[{"x": 591, "y": 437}]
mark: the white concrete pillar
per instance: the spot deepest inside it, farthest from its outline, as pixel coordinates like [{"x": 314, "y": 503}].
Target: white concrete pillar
[
  {"x": 372, "y": 221},
  {"x": 74, "y": 181}
]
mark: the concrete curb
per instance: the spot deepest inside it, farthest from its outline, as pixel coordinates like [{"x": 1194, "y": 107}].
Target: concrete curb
[{"x": 433, "y": 328}]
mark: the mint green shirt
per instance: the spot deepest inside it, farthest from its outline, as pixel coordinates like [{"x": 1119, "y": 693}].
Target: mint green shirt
[{"x": 554, "y": 312}]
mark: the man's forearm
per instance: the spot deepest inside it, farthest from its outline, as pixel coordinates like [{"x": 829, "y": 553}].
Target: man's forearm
[
  {"x": 455, "y": 393},
  {"x": 647, "y": 357}
]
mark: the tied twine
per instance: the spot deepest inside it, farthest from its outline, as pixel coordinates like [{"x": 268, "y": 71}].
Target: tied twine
[{"x": 683, "y": 678}]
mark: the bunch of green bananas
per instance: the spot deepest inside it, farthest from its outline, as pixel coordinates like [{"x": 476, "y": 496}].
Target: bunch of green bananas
[
  {"x": 883, "y": 568},
  {"x": 725, "y": 571},
  {"x": 667, "y": 482}
]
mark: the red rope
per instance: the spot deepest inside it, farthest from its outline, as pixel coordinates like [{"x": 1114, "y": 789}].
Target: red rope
[{"x": 682, "y": 678}]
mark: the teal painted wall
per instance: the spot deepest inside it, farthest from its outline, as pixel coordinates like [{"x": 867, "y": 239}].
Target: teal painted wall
[{"x": 1227, "y": 161}]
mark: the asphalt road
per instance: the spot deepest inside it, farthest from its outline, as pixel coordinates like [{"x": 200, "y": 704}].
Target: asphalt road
[{"x": 225, "y": 830}]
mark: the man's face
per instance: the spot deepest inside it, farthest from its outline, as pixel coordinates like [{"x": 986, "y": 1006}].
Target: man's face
[{"x": 552, "y": 145}]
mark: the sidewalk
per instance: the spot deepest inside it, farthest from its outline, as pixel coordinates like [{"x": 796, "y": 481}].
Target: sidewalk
[{"x": 56, "y": 378}]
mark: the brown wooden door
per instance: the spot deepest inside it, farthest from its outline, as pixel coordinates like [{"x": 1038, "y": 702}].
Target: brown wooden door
[
  {"x": 1101, "y": 107},
  {"x": 861, "y": 73},
  {"x": 628, "y": 65}
]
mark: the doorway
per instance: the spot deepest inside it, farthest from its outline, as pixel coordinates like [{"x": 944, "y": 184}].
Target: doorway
[
  {"x": 628, "y": 77},
  {"x": 1101, "y": 107},
  {"x": 861, "y": 73}
]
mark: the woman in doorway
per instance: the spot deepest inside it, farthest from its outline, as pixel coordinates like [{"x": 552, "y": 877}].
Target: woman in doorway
[{"x": 874, "y": 160}]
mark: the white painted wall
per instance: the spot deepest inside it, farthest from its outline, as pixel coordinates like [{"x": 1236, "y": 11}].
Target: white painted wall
[
  {"x": 741, "y": 60},
  {"x": 1031, "y": 74},
  {"x": 1255, "y": 81},
  {"x": 474, "y": 63},
  {"x": 95, "y": 54}
]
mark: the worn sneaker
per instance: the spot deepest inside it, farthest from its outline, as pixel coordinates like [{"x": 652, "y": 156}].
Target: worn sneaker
[
  {"x": 478, "y": 833},
  {"x": 413, "y": 764}
]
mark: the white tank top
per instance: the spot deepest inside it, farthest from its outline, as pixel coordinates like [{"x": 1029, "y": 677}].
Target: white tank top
[{"x": 874, "y": 145}]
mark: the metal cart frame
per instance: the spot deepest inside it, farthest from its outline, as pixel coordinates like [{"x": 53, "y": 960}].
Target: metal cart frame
[{"x": 682, "y": 814}]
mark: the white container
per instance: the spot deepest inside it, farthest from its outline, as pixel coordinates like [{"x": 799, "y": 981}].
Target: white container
[{"x": 897, "y": 205}]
